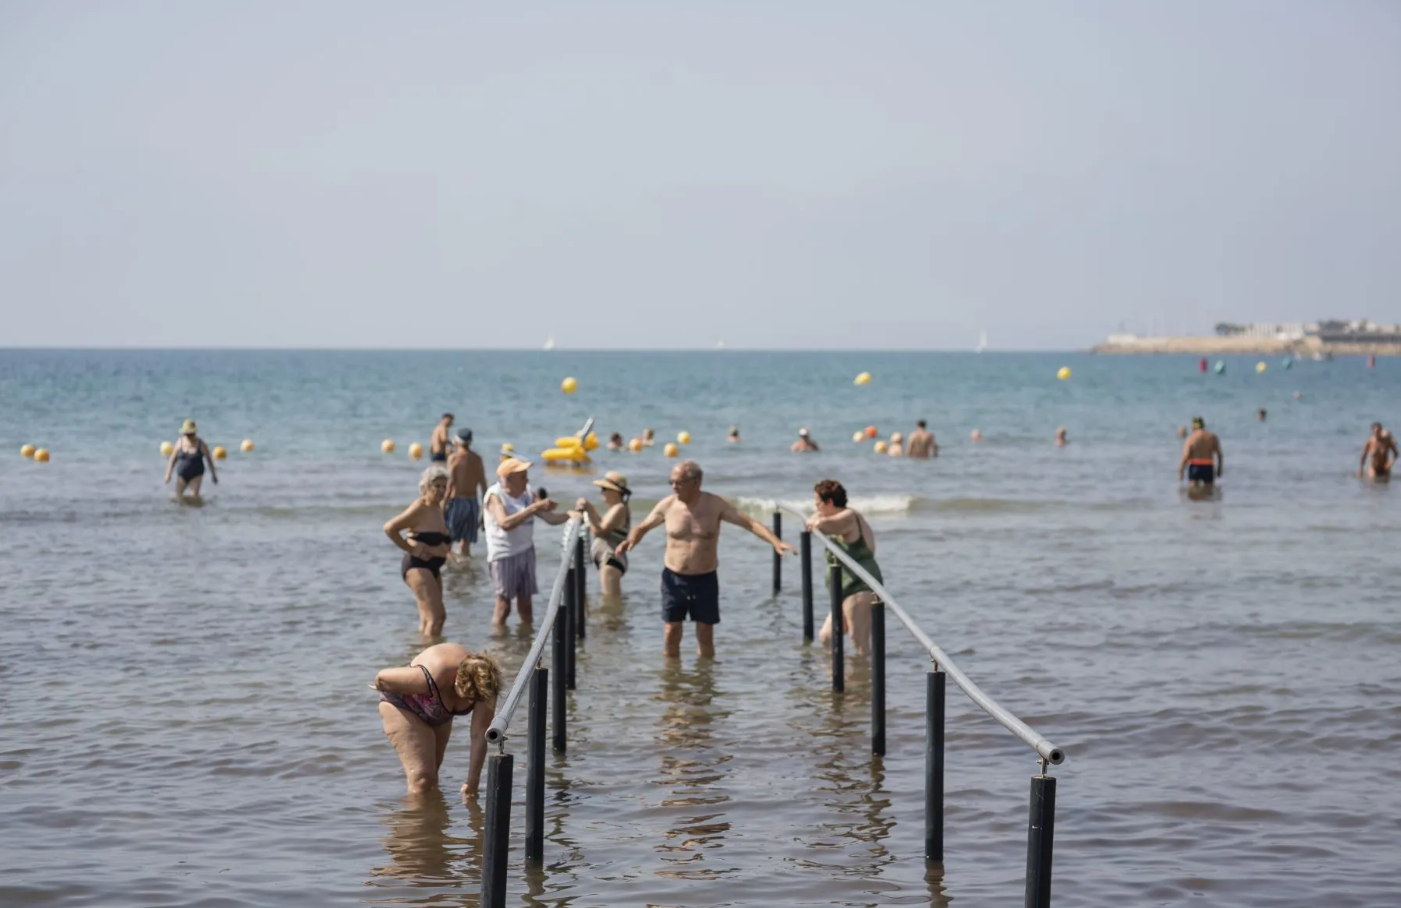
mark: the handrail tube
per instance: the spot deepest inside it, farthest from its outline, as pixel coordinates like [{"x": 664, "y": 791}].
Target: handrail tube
[
  {"x": 1048, "y": 751},
  {"x": 496, "y": 732}
]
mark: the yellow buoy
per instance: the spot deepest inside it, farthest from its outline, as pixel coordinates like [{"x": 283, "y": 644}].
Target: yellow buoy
[
  {"x": 859, "y": 437},
  {"x": 683, "y": 437},
  {"x": 416, "y": 451},
  {"x": 247, "y": 445},
  {"x": 167, "y": 449},
  {"x": 671, "y": 450},
  {"x": 28, "y": 451},
  {"x": 880, "y": 447},
  {"x": 41, "y": 455},
  {"x": 569, "y": 385},
  {"x": 635, "y": 445},
  {"x": 220, "y": 453},
  {"x": 1064, "y": 373},
  {"x": 387, "y": 446},
  {"x": 863, "y": 379},
  {"x": 1260, "y": 367}
]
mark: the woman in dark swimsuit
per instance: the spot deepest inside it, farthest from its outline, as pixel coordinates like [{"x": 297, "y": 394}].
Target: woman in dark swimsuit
[
  {"x": 418, "y": 703},
  {"x": 609, "y": 530},
  {"x": 187, "y": 462},
  {"x": 425, "y": 549}
]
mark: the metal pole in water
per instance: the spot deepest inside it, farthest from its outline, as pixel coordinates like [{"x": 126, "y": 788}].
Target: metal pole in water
[
  {"x": 498, "y": 829},
  {"x": 834, "y": 578},
  {"x": 805, "y": 558},
  {"x": 566, "y": 614},
  {"x": 1039, "y": 835},
  {"x": 535, "y": 767},
  {"x": 558, "y": 721},
  {"x": 777, "y": 555},
  {"x": 934, "y": 765},
  {"x": 878, "y": 677},
  {"x": 581, "y": 587}
]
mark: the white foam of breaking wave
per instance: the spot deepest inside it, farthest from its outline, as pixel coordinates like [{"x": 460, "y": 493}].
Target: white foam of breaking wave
[{"x": 872, "y": 505}]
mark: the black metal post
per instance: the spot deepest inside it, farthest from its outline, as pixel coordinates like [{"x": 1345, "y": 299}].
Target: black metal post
[
  {"x": 834, "y": 579},
  {"x": 934, "y": 765},
  {"x": 558, "y": 722},
  {"x": 535, "y": 767},
  {"x": 571, "y": 630},
  {"x": 580, "y": 587},
  {"x": 498, "y": 830},
  {"x": 805, "y": 558},
  {"x": 777, "y": 555},
  {"x": 878, "y": 677},
  {"x": 1039, "y": 835}
]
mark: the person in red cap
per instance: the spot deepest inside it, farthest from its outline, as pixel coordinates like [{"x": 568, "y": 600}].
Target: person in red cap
[{"x": 510, "y": 512}]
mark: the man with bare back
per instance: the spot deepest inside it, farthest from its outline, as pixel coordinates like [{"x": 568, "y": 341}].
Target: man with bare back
[
  {"x": 1380, "y": 449},
  {"x": 1202, "y": 461},
  {"x": 690, "y": 585}
]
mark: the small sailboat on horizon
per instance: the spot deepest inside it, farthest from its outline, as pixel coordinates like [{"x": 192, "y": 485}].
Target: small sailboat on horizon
[
  {"x": 550, "y": 342},
  {"x": 982, "y": 342}
]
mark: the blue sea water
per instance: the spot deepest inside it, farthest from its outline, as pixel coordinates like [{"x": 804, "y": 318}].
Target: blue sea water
[{"x": 183, "y": 717}]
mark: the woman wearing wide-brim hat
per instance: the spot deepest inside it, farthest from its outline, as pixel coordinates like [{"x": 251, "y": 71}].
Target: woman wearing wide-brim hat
[
  {"x": 609, "y": 530},
  {"x": 187, "y": 462}
]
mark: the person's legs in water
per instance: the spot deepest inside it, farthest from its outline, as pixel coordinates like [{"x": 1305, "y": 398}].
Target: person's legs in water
[
  {"x": 416, "y": 744},
  {"x": 705, "y": 640},
  {"x": 671, "y": 638},
  {"x": 428, "y": 591},
  {"x": 502, "y": 611},
  {"x": 525, "y": 608},
  {"x": 857, "y": 609},
  {"x": 610, "y": 580}
]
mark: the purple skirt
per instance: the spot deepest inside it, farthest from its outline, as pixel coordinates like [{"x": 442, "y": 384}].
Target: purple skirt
[{"x": 514, "y": 575}]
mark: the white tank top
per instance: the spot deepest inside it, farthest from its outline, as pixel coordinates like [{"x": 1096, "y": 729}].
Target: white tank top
[{"x": 505, "y": 543}]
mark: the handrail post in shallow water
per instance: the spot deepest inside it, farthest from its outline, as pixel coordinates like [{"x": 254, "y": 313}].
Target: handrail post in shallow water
[
  {"x": 834, "y": 580},
  {"x": 580, "y": 588},
  {"x": 1040, "y": 834},
  {"x": 559, "y": 722},
  {"x": 496, "y": 839},
  {"x": 878, "y": 678},
  {"x": 805, "y": 559},
  {"x": 777, "y": 555},
  {"x": 934, "y": 765},
  {"x": 571, "y": 629},
  {"x": 535, "y": 767}
]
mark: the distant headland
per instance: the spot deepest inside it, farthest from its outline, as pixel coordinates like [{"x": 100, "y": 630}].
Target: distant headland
[{"x": 1324, "y": 338}]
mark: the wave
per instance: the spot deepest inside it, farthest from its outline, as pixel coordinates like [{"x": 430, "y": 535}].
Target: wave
[{"x": 874, "y": 504}]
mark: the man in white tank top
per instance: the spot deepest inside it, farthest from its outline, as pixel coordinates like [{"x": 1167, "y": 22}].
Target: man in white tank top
[{"x": 509, "y": 516}]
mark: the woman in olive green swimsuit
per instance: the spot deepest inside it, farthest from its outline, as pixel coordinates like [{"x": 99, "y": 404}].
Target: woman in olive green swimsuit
[{"x": 848, "y": 529}]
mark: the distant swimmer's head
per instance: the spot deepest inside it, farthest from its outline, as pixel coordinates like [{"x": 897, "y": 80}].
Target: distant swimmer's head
[
  {"x": 649, "y": 434},
  {"x": 464, "y": 437},
  {"x": 803, "y": 432},
  {"x": 896, "y": 437},
  {"x": 829, "y": 496},
  {"x": 433, "y": 484},
  {"x": 447, "y": 419},
  {"x": 1198, "y": 422},
  {"x": 921, "y": 424},
  {"x": 478, "y": 678},
  {"x": 1261, "y": 414},
  {"x": 1376, "y": 428},
  {"x": 188, "y": 427},
  {"x": 1181, "y": 431},
  {"x": 734, "y": 432}
]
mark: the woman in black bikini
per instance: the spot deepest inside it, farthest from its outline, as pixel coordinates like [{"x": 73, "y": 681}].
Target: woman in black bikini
[
  {"x": 418, "y": 703},
  {"x": 187, "y": 462},
  {"x": 425, "y": 549}
]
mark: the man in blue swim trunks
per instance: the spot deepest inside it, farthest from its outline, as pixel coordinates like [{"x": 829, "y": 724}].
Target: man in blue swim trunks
[
  {"x": 462, "y": 510},
  {"x": 690, "y": 585}
]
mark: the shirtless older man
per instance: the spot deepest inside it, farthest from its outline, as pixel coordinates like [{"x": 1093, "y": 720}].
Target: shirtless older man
[
  {"x": 921, "y": 444},
  {"x": 1380, "y": 449},
  {"x": 690, "y": 586},
  {"x": 1202, "y": 460}
]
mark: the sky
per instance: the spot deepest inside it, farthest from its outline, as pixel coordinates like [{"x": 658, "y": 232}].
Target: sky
[{"x": 816, "y": 175}]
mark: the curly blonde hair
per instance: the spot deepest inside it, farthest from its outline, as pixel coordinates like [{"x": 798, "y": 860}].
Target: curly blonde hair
[{"x": 478, "y": 677}]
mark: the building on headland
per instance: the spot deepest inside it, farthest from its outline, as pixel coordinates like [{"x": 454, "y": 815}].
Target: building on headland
[{"x": 1332, "y": 336}]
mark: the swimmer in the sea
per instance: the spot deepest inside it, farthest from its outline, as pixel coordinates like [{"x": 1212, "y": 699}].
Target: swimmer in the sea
[
  {"x": 418, "y": 702},
  {"x": 733, "y": 437},
  {"x": 1061, "y": 440},
  {"x": 804, "y": 444},
  {"x": 1260, "y": 414},
  {"x": 466, "y": 483},
  {"x": 921, "y": 444},
  {"x": 187, "y": 462},
  {"x": 1202, "y": 460},
  {"x": 896, "y": 448},
  {"x": 426, "y": 548},
  {"x": 615, "y": 442},
  {"x": 438, "y": 443},
  {"x": 1381, "y": 451}
]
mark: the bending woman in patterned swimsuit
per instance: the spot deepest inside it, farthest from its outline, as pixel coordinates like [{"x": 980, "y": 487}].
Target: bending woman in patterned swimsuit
[
  {"x": 849, "y": 530},
  {"x": 418, "y": 703}
]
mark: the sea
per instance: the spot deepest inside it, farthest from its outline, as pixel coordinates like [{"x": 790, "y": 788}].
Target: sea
[{"x": 184, "y": 712}]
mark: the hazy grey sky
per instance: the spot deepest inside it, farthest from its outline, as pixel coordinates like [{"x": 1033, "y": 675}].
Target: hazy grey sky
[{"x": 648, "y": 174}]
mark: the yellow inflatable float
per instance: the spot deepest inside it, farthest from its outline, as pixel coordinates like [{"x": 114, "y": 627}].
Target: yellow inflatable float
[{"x": 572, "y": 449}]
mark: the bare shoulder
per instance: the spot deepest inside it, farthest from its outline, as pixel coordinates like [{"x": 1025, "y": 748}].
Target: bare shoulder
[{"x": 441, "y": 656}]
